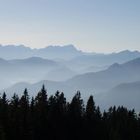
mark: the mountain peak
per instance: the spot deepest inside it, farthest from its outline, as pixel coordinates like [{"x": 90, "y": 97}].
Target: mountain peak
[
  {"x": 134, "y": 62},
  {"x": 65, "y": 48},
  {"x": 15, "y": 47},
  {"x": 115, "y": 65},
  {"x": 128, "y": 52}
]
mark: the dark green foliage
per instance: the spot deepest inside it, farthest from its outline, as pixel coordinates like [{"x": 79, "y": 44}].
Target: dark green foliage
[{"x": 53, "y": 118}]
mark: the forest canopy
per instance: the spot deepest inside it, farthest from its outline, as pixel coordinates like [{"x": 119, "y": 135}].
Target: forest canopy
[{"x": 53, "y": 118}]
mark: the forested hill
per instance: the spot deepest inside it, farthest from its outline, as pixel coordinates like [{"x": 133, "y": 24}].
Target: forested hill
[{"x": 54, "y": 118}]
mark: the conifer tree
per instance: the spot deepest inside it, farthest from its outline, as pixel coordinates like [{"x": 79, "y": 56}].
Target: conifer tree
[
  {"x": 24, "y": 115},
  {"x": 54, "y": 118},
  {"x": 90, "y": 108},
  {"x": 41, "y": 111}
]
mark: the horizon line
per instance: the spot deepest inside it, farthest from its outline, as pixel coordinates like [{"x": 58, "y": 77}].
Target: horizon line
[{"x": 66, "y": 45}]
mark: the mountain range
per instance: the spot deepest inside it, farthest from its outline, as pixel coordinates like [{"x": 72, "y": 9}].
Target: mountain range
[
  {"x": 32, "y": 69},
  {"x": 51, "y": 52},
  {"x": 109, "y": 77},
  {"x": 93, "y": 83},
  {"x": 126, "y": 94}
]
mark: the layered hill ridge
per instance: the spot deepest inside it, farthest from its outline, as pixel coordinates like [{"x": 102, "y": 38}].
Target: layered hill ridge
[
  {"x": 67, "y": 69},
  {"x": 51, "y": 52},
  {"x": 126, "y": 94},
  {"x": 94, "y": 82}
]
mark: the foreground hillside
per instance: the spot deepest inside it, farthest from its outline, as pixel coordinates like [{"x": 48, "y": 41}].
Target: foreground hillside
[{"x": 54, "y": 118}]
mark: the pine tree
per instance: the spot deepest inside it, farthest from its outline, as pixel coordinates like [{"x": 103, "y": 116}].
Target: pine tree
[
  {"x": 41, "y": 118},
  {"x": 41, "y": 111},
  {"x": 90, "y": 108},
  {"x": 76, "y": 108},
  {"x": 24, "y": 115},
  {"x": 4, "y": 115},
  {"x": 14, "y": 115},
  {"x": 75, "y": 116}
]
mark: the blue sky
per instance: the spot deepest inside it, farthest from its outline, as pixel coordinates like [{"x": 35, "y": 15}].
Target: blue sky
[{"x": 91, "y": 25}]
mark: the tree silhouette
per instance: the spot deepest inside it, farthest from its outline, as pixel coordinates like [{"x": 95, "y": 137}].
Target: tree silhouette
[
  {"x": 90, "y": 108},
  {"x": 54, "y": 118},
  {"x": 41, "y": 108},
  {"x": 24, "y": 115}
]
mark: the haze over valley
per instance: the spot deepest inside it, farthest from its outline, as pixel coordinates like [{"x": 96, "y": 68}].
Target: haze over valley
[{"x": 67, "y": 69}]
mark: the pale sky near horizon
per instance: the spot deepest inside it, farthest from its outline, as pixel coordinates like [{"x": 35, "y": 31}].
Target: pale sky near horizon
[{"x": 91, "y": 25}]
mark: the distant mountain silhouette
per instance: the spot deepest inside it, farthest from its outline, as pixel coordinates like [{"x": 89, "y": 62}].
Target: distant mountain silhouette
[
  {"x": 67, "y": 52},
  {"x": 33, "y": 60},
  {"x": 106, "y": 79},
  {"x": 106, "y": 59},
  {"x": 60, "y": 74},
  {"x": 51, "y": 86},
  {"x": 73, "y": 60},
  {"x": 94, "y": 82},
  {"x": 51, "y": 52},
  {"x": 32, "y": 70},
  {"x": 126, "y": 94},
  {"x": 15, "y": 52}
]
